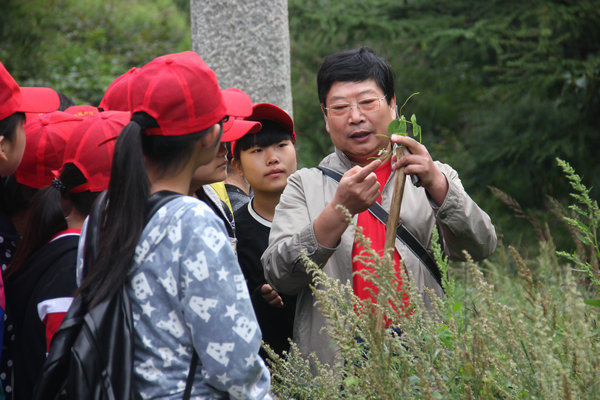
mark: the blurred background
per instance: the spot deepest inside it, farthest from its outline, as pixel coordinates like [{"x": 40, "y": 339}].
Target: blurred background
[{"x": 505, "y": 86}]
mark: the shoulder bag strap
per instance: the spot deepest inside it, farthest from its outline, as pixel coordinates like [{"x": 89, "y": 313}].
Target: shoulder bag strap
[
  {"x": 156, "y": 201},
  {"x": 190, "y": 377},
  {"x": 402, "y": 233}
]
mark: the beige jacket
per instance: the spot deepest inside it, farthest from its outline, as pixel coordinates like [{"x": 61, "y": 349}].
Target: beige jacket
[{"x": 463, "y": 225}]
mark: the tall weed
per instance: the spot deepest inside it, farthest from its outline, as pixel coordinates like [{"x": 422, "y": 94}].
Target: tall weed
[{"x": 529, "y": 336}]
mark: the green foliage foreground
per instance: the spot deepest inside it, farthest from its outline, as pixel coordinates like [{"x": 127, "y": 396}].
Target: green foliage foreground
[{"x": 531, "y": 337}]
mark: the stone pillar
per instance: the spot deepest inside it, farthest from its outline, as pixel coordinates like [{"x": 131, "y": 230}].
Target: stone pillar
[{"x": 247, "y": 44}]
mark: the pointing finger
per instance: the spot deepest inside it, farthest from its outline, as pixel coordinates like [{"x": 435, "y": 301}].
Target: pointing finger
[{"x": 367, "y": 169}]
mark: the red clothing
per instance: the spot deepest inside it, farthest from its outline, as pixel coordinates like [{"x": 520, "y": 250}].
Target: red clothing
[
  {"x": 37, "y": 297},
  {"x": 66, "y": 232},
  {"x": 53, "y": 311},
  {"x": 375, "y": 231}
]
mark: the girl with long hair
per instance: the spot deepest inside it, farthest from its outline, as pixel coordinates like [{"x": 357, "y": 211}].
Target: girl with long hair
[{"x": 185, "y": 286}]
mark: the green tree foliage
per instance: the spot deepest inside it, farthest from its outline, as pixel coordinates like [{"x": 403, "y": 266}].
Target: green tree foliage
[
  {"x": 319, "y": 28},
  {"x": 79, "y": 46},
  {"x": 506, "y": 86},
  {"x": 538, "y": 65}
]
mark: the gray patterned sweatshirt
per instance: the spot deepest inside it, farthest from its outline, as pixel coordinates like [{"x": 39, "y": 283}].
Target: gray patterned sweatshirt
[{"x": 188, "y": 293}]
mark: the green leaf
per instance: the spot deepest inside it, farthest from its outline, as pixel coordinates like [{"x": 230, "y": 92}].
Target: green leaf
[
  {"x": 413, "y": 119},
  {"x": 397, "y": 127},
  {"x": 403, "y": 125},
  {"x": 416, "y": 128},
  {"x": 417, "y": 131}
]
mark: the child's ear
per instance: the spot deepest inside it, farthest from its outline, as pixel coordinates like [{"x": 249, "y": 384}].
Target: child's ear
[
  {"x": 238, "y": 166},
  {"x": 3, "y": 156}
]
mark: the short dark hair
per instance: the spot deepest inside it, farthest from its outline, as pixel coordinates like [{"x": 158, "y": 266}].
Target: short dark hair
[
  {"x": 65, "y": 101},
  {"x": 355, "y": 65},
  {"x": 8, "y": 126},
  {"x": 271, "y": 132}
]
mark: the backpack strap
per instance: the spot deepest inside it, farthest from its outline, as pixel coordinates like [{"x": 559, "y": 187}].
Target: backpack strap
[
  {"x": 154, "y": 203},
  {"x": 402, "y": 233},
  {"x": 190, "y": 377},
  {"x": 157, "y": 200}
]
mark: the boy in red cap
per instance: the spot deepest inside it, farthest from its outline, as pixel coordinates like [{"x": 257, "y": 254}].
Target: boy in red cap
[{"x": 265, "y": 159}]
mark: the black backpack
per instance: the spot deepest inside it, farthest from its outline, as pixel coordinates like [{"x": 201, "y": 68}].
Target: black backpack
[{"x": 91, "y": 354}]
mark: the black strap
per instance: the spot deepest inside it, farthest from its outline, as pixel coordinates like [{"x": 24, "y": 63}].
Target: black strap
[
  {"x": 155, "y": 202},
  {"x": 402, "y": 232},
  {"x": 190, "y": 377}
]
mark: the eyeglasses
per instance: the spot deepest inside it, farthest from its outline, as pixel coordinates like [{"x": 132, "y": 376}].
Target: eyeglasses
[{"x": 365, "y": 105}]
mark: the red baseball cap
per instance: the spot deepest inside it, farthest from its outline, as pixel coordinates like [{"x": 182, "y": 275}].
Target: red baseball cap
[
  {"x": 116, "y": 96},
  {"x": 91, "y": 147},
  {"x": 269, "y": 112},
  {"x": 44, "y": 150},
  {"x": 180, "y": 92},
  {"x": 239, "y": 105},
  {"x": 24, "y": 99}
]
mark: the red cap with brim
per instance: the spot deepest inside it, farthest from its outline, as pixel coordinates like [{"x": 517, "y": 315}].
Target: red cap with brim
[
  {"x": 46, "y": 140},
  {"x": 180, "y": 92},
  {"x": 91, "y": 148},
  {"x": 116, "y": 96},
  {"x": 30, "y": 100},
  {"x": 239, "y": 105},
  {"x": 236, "y": 128},
  {"x": 270, "y": 112},
  {"x": 39, "y": 100}
]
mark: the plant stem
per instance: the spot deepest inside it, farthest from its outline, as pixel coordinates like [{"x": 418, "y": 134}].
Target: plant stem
[{"x": 393, "y": 218}]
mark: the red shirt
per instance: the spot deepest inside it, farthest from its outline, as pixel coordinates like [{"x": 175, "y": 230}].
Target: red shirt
[{"x": 375, "y": 231}]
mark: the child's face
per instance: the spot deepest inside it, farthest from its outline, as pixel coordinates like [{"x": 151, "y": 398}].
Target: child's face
[
  {"x": 12, "y": 151},
  {"x": 267, "y": 168},
  {"x": 214, "y": 171}
]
